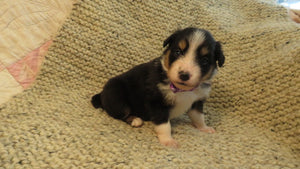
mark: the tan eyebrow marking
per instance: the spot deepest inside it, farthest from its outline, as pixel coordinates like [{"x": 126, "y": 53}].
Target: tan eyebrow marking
[
  {"x": 204, "y": 51},
  {"x": 182, "y": 44}
]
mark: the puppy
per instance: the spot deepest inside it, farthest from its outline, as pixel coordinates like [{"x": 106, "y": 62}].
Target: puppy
[{"x": 177, "y": 82}]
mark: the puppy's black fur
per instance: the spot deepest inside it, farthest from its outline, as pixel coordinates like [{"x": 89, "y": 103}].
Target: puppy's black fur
[{"x": 135, "y": 93}]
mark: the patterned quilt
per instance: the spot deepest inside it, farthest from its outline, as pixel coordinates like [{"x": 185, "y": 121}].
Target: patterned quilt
[{"x": 26, "y": 31}]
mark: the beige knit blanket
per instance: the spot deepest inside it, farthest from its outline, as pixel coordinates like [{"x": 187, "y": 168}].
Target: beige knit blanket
[{"x": 254, "y": 105}]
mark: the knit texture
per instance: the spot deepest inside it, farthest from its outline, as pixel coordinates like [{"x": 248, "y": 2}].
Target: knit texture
[{"x": 254, "y": 104}]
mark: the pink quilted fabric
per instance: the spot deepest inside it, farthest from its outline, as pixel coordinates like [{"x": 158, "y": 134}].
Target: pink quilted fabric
[
  {"x": 19, "y": 75},
  {"x": 26, "y": 30},
  {"x": 25, "y": 70}
]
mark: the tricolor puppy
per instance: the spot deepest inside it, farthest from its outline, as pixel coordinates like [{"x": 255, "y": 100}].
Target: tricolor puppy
[{"x": 177, "y": 82}]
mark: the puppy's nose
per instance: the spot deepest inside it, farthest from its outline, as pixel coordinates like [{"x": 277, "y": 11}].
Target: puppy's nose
[{"x": 184, "y": 76}]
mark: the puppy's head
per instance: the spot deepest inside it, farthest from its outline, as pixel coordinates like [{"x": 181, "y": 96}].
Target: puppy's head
[{"x": 191, "y": 57}]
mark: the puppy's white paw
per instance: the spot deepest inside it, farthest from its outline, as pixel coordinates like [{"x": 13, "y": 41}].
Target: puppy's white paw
[
  {"x": 207, "y": 129},
  {"x": 137, "y": 122},
  {"x": 169, "y": 143}
]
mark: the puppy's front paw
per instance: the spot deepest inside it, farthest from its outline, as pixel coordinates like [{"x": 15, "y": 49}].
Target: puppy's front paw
[
  {"x": 207, "y": 129},
  {"x": 169, "y": 143},
  {"x": 164, "y": 135}
]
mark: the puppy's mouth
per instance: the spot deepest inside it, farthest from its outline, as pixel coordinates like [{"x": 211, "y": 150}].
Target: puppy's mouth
[
  {"x": 181, "y": 83},
  {"x": 184, "y": 86}
]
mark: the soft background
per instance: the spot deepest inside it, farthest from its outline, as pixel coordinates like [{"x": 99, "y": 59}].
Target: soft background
[
  {"x": 27, "y": 29},
  {"x": 254, "y": 104}
]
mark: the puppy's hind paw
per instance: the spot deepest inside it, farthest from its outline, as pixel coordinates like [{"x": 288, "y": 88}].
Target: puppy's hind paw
[{"x": 137, "y": 122}]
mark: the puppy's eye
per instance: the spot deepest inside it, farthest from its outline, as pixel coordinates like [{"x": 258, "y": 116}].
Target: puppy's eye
[
  {"x": 178, "y": 52},
  {"x": 204, "y": 61}
]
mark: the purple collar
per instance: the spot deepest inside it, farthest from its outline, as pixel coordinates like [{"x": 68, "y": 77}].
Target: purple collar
[{"x": 175, "y": 89}]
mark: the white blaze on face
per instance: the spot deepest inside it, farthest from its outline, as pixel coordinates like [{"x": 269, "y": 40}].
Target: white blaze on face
[{"x": 187, "y": 63}]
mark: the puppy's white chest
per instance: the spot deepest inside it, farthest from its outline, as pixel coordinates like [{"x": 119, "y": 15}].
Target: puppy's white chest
[{"x": 183, "y": 101}]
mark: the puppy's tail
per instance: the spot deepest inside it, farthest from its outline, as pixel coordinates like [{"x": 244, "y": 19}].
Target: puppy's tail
[{"x": 96, "y": 101}]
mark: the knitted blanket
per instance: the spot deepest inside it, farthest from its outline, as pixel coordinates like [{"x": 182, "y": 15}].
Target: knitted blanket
[{"x": 254, "y": 104}]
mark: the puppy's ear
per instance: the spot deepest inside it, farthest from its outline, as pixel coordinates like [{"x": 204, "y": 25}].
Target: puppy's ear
[
  {"x": 219, "y": 54},
  {"x": 171, "y": 38}
]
